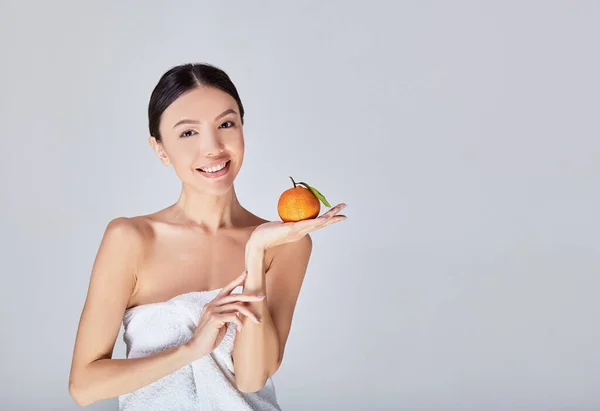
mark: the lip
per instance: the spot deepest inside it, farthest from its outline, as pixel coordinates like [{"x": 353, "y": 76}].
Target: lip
[
  {"x": 217, "y": 174},
  {"x": 214, "y": 163}
]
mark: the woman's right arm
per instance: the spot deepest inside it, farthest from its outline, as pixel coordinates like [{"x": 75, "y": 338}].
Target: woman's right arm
[{"x": 94, "y": 374}]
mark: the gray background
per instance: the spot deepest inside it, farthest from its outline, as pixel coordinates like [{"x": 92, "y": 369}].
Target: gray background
[{"x": 462, "y": 135}]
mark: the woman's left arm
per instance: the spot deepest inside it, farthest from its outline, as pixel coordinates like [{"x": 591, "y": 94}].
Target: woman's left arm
[{"x": 258, "y": 349}]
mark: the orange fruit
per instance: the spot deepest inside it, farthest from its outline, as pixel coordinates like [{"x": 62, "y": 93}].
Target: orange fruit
[{"x": 299, "y": 203}]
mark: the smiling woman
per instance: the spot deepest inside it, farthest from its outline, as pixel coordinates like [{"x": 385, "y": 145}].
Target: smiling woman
[
  {"x": 185, "y": 132},
  {"x": 199, "y": 335}
]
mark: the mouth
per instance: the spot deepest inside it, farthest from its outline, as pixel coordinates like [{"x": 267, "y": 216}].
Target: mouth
[{"x": 215, "y": 170}]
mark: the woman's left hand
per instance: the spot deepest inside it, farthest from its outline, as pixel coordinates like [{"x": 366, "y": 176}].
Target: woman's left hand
[{"x": 275, "y": 233}]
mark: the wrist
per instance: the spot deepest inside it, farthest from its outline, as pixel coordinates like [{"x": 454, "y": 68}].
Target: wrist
[
  {"x": 188, "y": 352},
  {"x": 255, "y": 256}
]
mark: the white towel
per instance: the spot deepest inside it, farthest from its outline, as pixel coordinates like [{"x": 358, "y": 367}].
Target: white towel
[{"x": 205, "y": 384}]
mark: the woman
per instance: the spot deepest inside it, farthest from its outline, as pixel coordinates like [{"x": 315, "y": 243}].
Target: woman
[{"x": 199, "y": 335}]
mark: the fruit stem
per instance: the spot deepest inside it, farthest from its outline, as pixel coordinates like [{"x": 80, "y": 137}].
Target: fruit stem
[{"x": 293, "y": 181}]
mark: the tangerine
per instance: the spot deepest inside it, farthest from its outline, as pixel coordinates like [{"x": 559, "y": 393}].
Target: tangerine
[{"x": 299, "y": 203}]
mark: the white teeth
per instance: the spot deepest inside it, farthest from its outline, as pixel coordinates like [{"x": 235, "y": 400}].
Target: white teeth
[{"x": 215, "y": 168}]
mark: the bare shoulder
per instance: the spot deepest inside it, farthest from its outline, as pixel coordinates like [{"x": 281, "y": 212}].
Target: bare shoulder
[
  {"x": 131, "y": 228},
  {"x": 305, "y": 243},
  {"x": 300, "y": 249},
  {"x": 122, "y": 250},
  {"x": 119, "y": 232},
  {"x": 137, "y": 231}
]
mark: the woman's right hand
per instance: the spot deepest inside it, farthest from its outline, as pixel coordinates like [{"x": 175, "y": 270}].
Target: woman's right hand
[{"x": 223, "y": 309}]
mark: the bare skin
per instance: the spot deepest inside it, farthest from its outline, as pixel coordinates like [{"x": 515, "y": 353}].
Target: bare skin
[
  {"x": 202, "y": 242},
  {"x": 188, "y": 255}
]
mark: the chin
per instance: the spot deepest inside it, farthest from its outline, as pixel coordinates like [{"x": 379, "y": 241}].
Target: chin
[
  {"x": 217, "y": 189},
  {"x": 219, "y": 186}
]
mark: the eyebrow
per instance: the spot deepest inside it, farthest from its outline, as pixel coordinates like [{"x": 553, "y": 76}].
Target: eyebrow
[{"x": 188, "y": 121}]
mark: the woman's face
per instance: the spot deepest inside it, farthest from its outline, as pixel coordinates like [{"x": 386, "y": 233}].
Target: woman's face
[{"x": 202, "y": 138}]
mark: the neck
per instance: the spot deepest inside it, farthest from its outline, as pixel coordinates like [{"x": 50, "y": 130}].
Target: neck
[{"x": 210, "y": 211}]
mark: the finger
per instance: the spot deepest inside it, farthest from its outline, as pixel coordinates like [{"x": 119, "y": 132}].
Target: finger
[
  {"x": 324, "y": 222},
  {"x": 311, "y": 225},
  {"x": 238, "y": 297},
  {"x": 333, "y": 211},
  {"x": 306, "y": 226},
  {"x": 333, "y": 220},
  {"x": 231, "y": 286},
  {"x": 241, "y": 308},
  {"x": 229, "y": 318},
  {"x": 314, "y": 223}
]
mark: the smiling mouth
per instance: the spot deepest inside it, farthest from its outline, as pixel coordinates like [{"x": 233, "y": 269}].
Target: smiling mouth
[{"x": 214, "y": 169}]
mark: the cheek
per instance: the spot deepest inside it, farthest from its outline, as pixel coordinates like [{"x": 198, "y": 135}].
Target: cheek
[
  {"x": 180, "y": 157},
  {"x": 237, "y": 146}
]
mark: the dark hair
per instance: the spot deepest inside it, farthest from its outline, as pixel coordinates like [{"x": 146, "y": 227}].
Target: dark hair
[{"x": 180, "y": 79}]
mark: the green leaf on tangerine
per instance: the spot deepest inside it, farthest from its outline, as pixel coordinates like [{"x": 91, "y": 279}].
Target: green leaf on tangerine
[{"x": 316, "y": 192}]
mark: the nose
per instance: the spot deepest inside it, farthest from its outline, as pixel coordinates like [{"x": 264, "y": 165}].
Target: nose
[{"x": 211, "y": 145}]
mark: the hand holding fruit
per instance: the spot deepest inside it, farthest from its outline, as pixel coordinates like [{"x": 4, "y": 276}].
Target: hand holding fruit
[{"x": 298, "y": 208}]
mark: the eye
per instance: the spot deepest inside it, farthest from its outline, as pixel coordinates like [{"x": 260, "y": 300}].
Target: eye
[
  {"x": 227, "y": 124},
  {"x": 188, "y": 133}
]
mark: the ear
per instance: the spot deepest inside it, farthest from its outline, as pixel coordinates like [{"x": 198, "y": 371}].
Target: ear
[{"x": 158, "y": 148}]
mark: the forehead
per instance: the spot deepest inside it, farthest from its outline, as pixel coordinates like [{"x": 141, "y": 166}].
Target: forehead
[{"x": 202, "y": 104}]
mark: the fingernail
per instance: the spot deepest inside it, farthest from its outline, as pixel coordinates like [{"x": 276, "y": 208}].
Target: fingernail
[
  {"x": 243, "y": 274},
  {"x": 239, "y": 327},
  {"x": 257, "y": 321},
  {"x": 261, "y": 296}
]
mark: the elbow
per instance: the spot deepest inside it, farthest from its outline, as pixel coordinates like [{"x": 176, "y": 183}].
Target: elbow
[
  {"x": 78, "y": 394},
  {"x": 255, "y": 380},
  {"x": 251, "y": 386}
]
